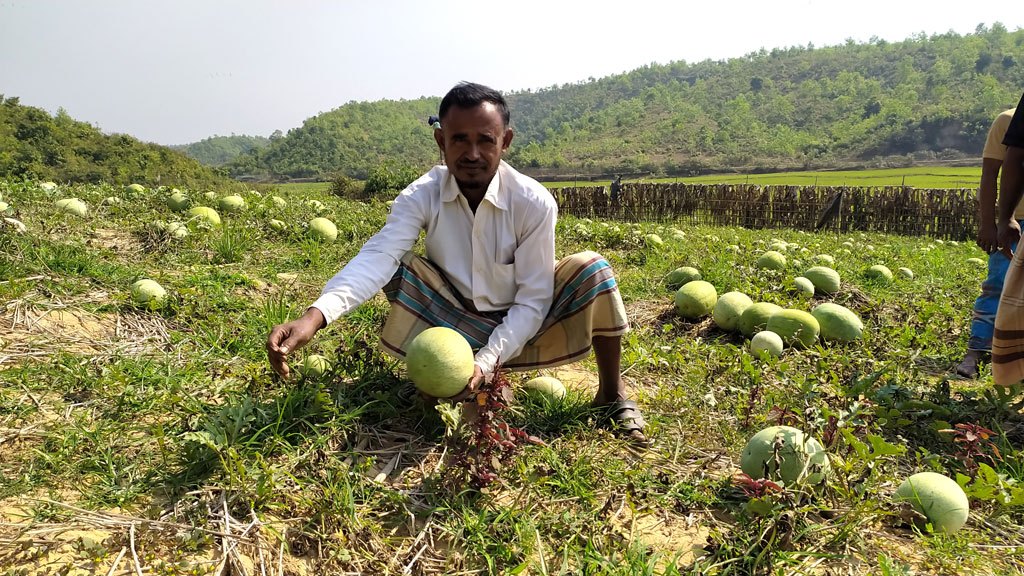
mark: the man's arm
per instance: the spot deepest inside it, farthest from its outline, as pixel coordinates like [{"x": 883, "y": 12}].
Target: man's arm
[
  {"x": 1009, "y": 196},
  {"x": 360, "y": 279},
  {"x": 987, "y": 232},
  {"x": 535, "y": 279}
]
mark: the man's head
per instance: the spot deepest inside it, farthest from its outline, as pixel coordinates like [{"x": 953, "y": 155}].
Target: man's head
[{"x": 474, "y": 134}]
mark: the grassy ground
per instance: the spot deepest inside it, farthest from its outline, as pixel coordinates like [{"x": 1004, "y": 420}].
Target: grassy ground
[{"x": 159, "y": 438}]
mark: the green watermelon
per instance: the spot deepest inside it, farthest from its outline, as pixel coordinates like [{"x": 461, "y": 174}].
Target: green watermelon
[
  {"x": 148, "y": 292},
  {"x": 796, "y": 327},
  {"x": 771, "y": 260},
  {"x": 797, "y": 458},
  {"x": 232, "y": 204},
  {"x": 204, "y": 215},
  {"x": 837, "y": 322},
  {"x": 940, "y": 499},
  {"x": 803, "y": 286},
  {"x": 825, "y": 279},
  {"x": 681, "y": 276},
  {"x": 755, "y": 318},
  {"x": 440, "y": 362},
  {"x": 695, "y": 299},
  {"x": 728, "y": 309},
  {"x": 545, "y": 386},
  {"x": 766, "y": 341},
  {"x": 879, "y": 273},
  {"x": 323, "y": 229}
]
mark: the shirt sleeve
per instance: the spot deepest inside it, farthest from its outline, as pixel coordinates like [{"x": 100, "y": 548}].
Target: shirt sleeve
[
  {"x": 378, "y": 259},
  {"x": 535, "y": 286},
  {"x": 994, "y": 147},
  {"x": 1015, "y": 133}
]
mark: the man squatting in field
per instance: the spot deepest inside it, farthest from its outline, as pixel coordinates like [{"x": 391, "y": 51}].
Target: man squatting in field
[
  {"x": 489, "y": 271},
  {"x": 980, "y": 343},
  {"x": 1008, "y": 337}
]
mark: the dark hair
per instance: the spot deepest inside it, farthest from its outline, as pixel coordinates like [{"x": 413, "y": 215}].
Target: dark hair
[{"x": 468, "y": 95}]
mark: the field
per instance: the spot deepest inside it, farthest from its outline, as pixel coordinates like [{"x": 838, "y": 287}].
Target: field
[
  {"x": 156, "y": 440},
  {"x": 925, "y": 177}
]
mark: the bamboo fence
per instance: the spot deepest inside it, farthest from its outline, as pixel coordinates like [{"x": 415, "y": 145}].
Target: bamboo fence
[{"x": 940, "y": 213}]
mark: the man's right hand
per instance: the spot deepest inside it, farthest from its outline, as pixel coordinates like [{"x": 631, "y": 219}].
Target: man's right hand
[
  {"x": 988, "y": 237},
  {"x": 1009, "y": 235},
  {"x": 290, "y": 336}
]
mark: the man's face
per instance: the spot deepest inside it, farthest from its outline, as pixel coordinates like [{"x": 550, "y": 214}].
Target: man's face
[{"x": 473, "y": 141}]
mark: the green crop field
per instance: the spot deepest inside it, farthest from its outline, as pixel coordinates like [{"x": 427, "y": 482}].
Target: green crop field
[
  {"x": 930, "y": 177},
  {"x": 155, "y": 439}
]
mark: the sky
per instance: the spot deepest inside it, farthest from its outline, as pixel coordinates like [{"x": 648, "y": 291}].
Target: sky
[{"x": 178, "y": 71}]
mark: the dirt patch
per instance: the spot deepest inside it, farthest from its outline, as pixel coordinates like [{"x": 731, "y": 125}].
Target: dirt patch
[
  {"x": 114, "y": 240},
  {"x": 40, "y": 329},
  {"x": 680, "y": 538}
]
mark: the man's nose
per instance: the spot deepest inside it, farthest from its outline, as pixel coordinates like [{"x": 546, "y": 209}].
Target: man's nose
[{"x": 473, "y": 152}]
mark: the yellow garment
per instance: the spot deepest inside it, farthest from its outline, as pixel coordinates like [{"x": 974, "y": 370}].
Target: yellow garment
[{"x": 995, "y": 149}]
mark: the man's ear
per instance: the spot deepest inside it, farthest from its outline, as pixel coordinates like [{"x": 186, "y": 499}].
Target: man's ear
[
  {"x": 439, "y": 138},
  {"x": 506, "y": 140}
]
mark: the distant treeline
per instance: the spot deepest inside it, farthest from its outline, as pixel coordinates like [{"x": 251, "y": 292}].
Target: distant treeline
[
  {"x": 929, "y": 98},
  {"x": 35, "y": 145},
  {"x": 219, "y": 150}
]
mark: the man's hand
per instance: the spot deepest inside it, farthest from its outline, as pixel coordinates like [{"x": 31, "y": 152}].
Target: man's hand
[
  {"x": 988, "y": 237},
  {"x": 290, "y": 336},
  {"x": 1009, "y": 235}
]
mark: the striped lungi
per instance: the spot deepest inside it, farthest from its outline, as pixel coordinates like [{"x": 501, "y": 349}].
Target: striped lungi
[
  {"x": 586, "y": 304},
  {"x": 1008, "y": 337}
]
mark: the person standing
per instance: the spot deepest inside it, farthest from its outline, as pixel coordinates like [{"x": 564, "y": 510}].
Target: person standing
[
  {"x": 980, "y": 343},
  {"x": 1008, "y": 337}
]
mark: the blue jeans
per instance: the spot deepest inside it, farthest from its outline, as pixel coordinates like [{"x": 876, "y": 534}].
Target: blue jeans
[{"x": 986, "y": 305}]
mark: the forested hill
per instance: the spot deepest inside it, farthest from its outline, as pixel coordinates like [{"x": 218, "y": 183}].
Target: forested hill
[
  {"x": 926, "y": 98},
  {"x": 35, "y": 145},
  {"x": 218, "y": 150}
]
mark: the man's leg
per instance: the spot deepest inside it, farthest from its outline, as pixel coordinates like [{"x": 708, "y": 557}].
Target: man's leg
[
  {"x": 985, "y": 307},
  {"x": 608, "y": 354}
]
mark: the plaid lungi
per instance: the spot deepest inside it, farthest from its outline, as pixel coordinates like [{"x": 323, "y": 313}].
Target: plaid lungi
[
  {"x": 1008, "y": 337},
  {"x": 586, "y": 304}
]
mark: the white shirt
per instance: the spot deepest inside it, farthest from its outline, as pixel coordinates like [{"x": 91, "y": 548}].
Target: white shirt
[{"x": 501, "y": 258}]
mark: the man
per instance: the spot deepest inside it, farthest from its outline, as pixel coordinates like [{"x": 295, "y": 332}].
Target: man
[
  {"x": 489, "y": 271},
  {"x": 1008, "y": 338},
  {"x": 980, "y": 343}
]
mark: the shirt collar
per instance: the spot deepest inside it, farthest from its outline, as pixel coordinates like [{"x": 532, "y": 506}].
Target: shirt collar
[{"x": 495, "y": 194}]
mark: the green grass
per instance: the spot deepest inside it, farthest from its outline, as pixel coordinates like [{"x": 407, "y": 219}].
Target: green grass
[
  {"x": 926, "y": 177},
  {"x": 174, "y": 414}
]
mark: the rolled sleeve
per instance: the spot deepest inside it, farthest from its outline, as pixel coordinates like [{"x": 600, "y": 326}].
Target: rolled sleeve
[{"x": 535, "y": 281}]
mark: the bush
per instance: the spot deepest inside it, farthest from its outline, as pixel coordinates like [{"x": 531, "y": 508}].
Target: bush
[
  {"x": 389, "y": 178},
  {"x": 345, "y": 187}
]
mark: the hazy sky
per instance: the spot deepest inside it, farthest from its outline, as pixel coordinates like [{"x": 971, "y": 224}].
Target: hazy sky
[{"x": 177, "y": 71}]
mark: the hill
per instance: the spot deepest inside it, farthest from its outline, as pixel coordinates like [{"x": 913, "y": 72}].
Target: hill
[
  {"x": 35, "y": 145},
  {"x": 219, "y": 150},
  {"x": 928, "y": 98}
]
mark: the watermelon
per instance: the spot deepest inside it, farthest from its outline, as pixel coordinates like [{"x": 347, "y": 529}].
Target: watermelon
[
  {"x": 796, "y": 327},
  {"x": 232, "y": 204},
  {"x": 135, "y": 188},
  {"x": 755, "y": 318},
  {"x": 177, "y": 202},
  {"x": 803, "y": 286},
  {"x": 73, "y": 206},
  {"x": 879, "y": 273},
  {"x": 278, "y": 225},
  {"x": 940, "y": 499},
  {"x": 771, "y": 260},
  {"x": 976, "y": 261},
  {"x": 766, "y": 341},
  {"x": 323, "y": 229},
  {"x": 906, "y": 273},
  {"x": 825, "y": 280},
  {"x": 798, "y": 457},
  {"x": 204, "y": 215},
  {"x": 837, "y": 322},
  {"x": 313, "y": 366},
  {"x": 148, "y": 292},
  {"x": 545, "y": 386},
  {"x": 681, "y": 276},
  {"x": 695, "y": 299},
  {"x": 439, "y": 362},
  {"x": 653, "y": 241},
  {"x": 728, "y": 309},
  {"x": 278, "y": 201}
]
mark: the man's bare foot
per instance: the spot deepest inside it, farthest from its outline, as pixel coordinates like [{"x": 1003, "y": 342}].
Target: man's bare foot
[{"x": 968, "y": 367}]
